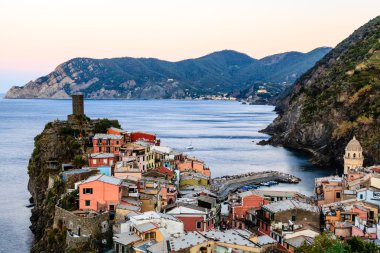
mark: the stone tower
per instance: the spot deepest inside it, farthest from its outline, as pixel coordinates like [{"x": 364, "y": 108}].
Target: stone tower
[
  {"x": 78, "y": 107},
  {"x": 353, "y": 157}
]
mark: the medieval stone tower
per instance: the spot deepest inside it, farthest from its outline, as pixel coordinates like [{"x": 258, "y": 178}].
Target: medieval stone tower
[
  {"x": 353, "y": 157},
  {"x": 78, "y": 107}
]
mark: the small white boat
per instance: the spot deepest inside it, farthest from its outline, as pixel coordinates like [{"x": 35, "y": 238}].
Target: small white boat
[{"x": 190, "y": 147}]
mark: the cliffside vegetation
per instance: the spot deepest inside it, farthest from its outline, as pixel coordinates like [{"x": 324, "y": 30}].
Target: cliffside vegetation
[
  {"x": 338, "y": 98},
  {"x": 59, "y": 143},
  {"x": 147, "y": 78}
]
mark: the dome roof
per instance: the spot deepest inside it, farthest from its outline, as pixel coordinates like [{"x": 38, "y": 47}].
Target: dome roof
[{"x": 354, "y": 145}]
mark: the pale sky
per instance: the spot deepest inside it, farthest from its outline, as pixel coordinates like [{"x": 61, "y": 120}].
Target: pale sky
[{"x": 38, "y": 35}]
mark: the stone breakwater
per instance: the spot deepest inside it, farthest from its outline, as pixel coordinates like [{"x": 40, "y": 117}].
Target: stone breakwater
[{"x": 222, "y": 186}]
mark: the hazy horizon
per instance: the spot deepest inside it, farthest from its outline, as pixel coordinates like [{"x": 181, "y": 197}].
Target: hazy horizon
[{"x": 39, "y": 35}]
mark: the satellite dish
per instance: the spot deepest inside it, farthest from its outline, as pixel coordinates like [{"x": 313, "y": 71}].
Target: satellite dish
[{"x": 104, "y": 241}]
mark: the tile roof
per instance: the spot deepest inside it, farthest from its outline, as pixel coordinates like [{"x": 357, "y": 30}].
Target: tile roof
[
  {"x": 299, "y": 241},
  {"x": 143, "y": 143},
  {"x": 184, "y": 208},
  {"x": 108, "y": 136},
  {"x": 187, "y": 240},
  {"x": 230, "y": 236},
  {"x": 131, "y": 201},
  {"x": 128, "y": 207},
  {"x": 165, "y": 170},
  {"x": 118, "y": 130},
  {"x": 102, "y": 155},
  {"x": 150, "y": 215},
  {"x": 265, "y": 239},
  {"x": 77, "y": 171},
  {"x": 104, "y": 179},
  {"x": 126, "y": 238},
  {"x": 159, "y": 247},
  {"x": 145, "y": 227},
  {"x": 285, "y": 205},
  {"x": 143, "y": 246}
]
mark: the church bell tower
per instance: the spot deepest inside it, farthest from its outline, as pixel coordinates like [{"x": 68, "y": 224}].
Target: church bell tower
[{"x": 353, "y": 157}]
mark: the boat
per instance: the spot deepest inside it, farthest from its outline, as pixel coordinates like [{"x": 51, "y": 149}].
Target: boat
[{"x": 190, "y": 147}]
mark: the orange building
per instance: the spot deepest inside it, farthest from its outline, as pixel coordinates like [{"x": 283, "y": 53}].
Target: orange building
[
  {"x": 100, "y": 193},
  {"x": 328, "y": 190},
  {"x": 195, "y": 165}
]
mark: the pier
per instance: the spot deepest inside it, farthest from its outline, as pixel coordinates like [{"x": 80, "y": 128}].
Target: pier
[{"x": 222, "y": 186}]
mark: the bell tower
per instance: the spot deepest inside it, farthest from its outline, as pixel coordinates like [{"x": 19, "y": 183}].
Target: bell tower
[{"x": 353, "y": 156}]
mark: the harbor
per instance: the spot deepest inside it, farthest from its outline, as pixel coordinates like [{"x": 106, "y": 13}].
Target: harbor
[{"x": 224, "y": 185}]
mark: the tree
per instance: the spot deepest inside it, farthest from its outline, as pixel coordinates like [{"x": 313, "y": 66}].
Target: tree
[
  {"x": 102, "y": 125},
  {"x": 78, "y": 161},
  {"x": 357, "y": 245},
  {"x": 327, "y": 243},
  {"x": 323, "y": 243}
]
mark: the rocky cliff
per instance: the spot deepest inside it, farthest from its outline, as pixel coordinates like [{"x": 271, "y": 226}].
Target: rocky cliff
[
  {"x": 336, "y": 99},
  {"x": 147, "y": 78},
  {"x": 57, "y": 144}
]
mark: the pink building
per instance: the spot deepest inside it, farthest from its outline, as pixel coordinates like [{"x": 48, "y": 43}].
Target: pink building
[
  {"x": 194, "y": 218},
  {"x": 100, "y": 193},
  {"x": 101, "y": 159},
  {"x": 107, "y": 143}
]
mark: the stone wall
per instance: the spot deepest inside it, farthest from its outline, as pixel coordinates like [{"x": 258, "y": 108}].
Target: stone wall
[
  {"x": 82, "y": 226},
  {"x": 71, "y": 179}
]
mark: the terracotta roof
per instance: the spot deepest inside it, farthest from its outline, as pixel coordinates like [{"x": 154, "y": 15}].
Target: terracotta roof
[{"x": 165, "y": 170}]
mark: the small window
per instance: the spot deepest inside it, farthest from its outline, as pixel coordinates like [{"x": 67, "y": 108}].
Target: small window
[
  {"x": 337, "y": 194},
  {"x": 87, "y": 203},
  {"x": 199, "y": 225},
  {"x": 361, "y": 196},
  {"x": 112, "y": 207},
  {"x": 94, "y": 161},
  {"x": 293, "y": 218},
  {"x": 87, "y": 190}
]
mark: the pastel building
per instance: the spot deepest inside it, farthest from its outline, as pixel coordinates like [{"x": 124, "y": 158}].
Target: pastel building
[
  {"x": 328, "y": 190},
  {"x": 194, "y": 218},
  {"x": 141, "y": 152},
  {"x": 101, "y": 159},
  {"x": 193, "y": 164},
  {"x": 239, "y": 204},
  {"x": 107, "y": 143},
  {"x": 100, "y": 193},
  {"x": 128, "y": 167},
  {"x": 370, "y": 194}
]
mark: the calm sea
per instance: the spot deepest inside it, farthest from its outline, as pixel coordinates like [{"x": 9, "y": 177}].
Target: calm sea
[{"x": 224, "y": 134}]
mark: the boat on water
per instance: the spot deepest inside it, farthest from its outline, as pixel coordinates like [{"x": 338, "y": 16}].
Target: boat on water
[{"x": 190, "y": 147}]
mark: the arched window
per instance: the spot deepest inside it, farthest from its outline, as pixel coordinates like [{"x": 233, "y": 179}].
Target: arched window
[
  {"x": 354, "y": 155},
  {"x": 348, "y": 155}
]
